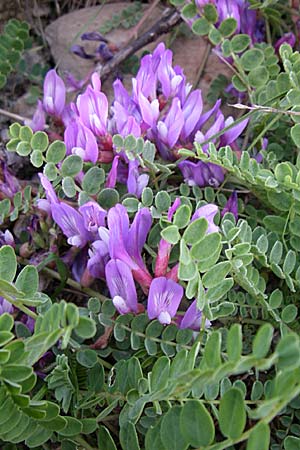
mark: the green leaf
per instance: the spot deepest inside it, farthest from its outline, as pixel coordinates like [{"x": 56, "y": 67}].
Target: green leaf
[
  {"x": 56, "y": 153},
  {"x": 93, "y": 179},
  {"x": 234, "y": 342},
  {"x": 72, "y": 428},
  {"x": 214, "y": 36},
  {"x": 153, "y": 438},
  {"x": 105, "y": 441},
  {"x": 71, "y": 166},
  {"x": 50, "y": 171},
  {"x": 288, "y": 351},
  {"x": 36, "y": 158},
  {"x": 289, "y": 262},
  {"x": 216, "y": 293},
  {"x": 23, "y": 148},
  {"x": 39, "y": 141},
  {"x": 252, "y": 59},
  {"x": 259, "y": 437},
  {"x": 262, "y": 341},
  {"x": 196, "y": 424},
  {"x": 206, "y": 247},
  {"x": 8, "y": 263},
  {"x": 295, "y": 134},
  {"x": 232, "y": 414},
  {"x": 201, "y": 26},
  {"x": 195, "y": 231},
  {"x": 210, "y": 13},
  {"x": 108, "y": 198},
  {"x": 170, "y": 433},
  {"x": 147, "y": 196},
  {"x": 216, "y": 274},
  {"x": 182, "y": 216},
  {"x": 14, "y": 130},
  {"x": 240, "y": 42},
  {"x": 25, "y": 133},
  {"x": 212, "y": 351},
  {"x": 171, "y": 234},
  {"x": 87, "y": 357},
  {"x": 291, "y": 443},
  {"x": 162, "y": 201},
  {"x": 69, "y": 187},
  {"x": 128, "y": 437},
  {"x": 160, "y": 374},
  {"x": 189, "y": 11},
  {"x": 228, "y": 27},
  {"x": 86, "y": 328},
  {"x": 289, "y": 313},
  {"x": 258, "y": 77},
  {"x": 28, "y": 280}
]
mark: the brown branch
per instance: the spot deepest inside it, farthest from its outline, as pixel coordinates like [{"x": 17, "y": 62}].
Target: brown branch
[{"x": 170, "y": 18}]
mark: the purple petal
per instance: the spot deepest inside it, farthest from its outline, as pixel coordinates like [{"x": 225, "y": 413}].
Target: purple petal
[
  {"x": 93, "y": 216},
  {"x": 118, "y": 224},
  {"x": 112, "y": 176},
  {"x": 98, "y": 258},
  {"x": 93, "y": 36},
  {"x": 231, "y": 135},
  {"x": 191, "y": 110},
  {"x": 71, "y": 223},
  {"x": 193, "y": 317},
  {"x": 49, "y": 191},
  {"x": 137, "y": 235},
  {"x": 164, "y": 299},
  {"x": 208, "y": 212},
  {"x": 54, "y": 93},
  {"x": 231, "y": 205},
  {"x": 121, "y": 286},
  {"x": 5, "y": 306},
  {"x": 173, "y": 208}
]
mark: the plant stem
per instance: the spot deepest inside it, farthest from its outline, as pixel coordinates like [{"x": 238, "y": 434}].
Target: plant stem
[{"x": 75, "y": 285}]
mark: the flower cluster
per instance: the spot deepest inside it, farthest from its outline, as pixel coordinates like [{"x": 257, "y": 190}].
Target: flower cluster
[
  {"x": 115, "y": 250},
  {"x": 162, "y": 108}
]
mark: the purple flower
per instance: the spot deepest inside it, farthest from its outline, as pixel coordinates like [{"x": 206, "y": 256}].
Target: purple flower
[
  {"x": 5, "y": 306},
  {"x": 192, "y": 318},
  {"x": 10, "y": 186},
  {"x": 121, "y": 286},
  {"x": 231, "y": 205},
  {"x": 287, "y": 38},
  {"x": 169, "y": 129},
  {"x": 93, "y": 108},
  {"x": 167, "y": 76},
  {"x": 98, "y": 258},
  {"x": 149, "y": 110},
  {"x": 191, "y": 110},
  {"x": 164, "y": 299},
  {"x": 136, "y": 182},
  {"x": 127, "y": 243},
  {"x": 233, "y": 133},
  {"x": 93, "y": 216},
  {"x": 201, "y": 173},
  {"x": 38, "y": 121},
  {"x": 80, "y": 140},
  {"x": 112, "y": 176},
  {"x": 6, "y": 238},
  {"x": 208, "y": 212},
  {"x": 54, "y": 94},
  {"x": 93, "y": 36},
  {"x": 71, "y": 224},
  {"x": 80, "y": 51}
]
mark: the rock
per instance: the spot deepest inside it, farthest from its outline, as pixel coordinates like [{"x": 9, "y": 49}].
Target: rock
[{"x": 66, "y": 31}]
